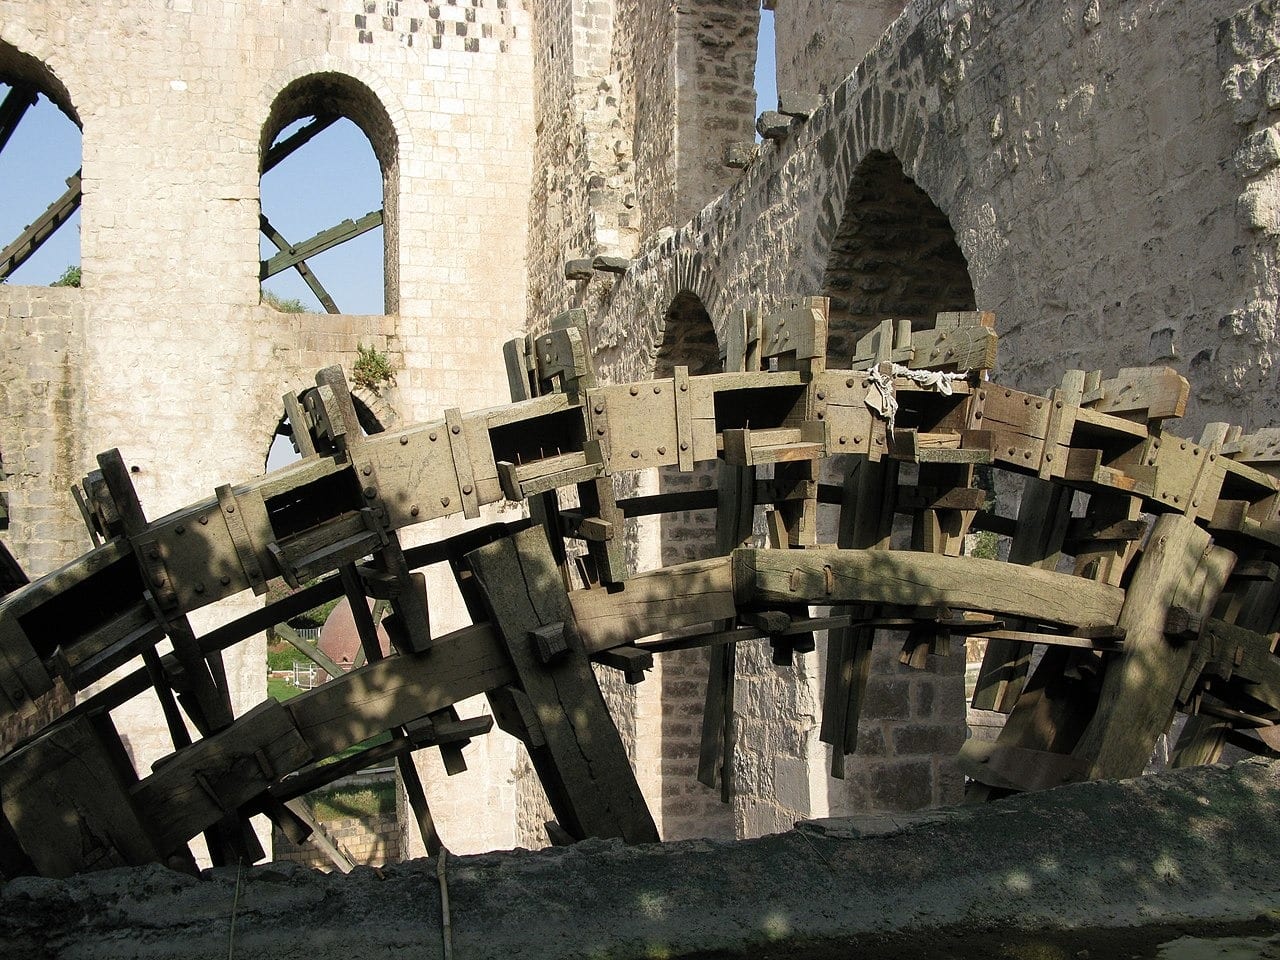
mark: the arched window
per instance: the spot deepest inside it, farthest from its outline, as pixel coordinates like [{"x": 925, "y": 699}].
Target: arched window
[
  {"x": 329, "y": 187},
  {"x": 895, "y": 255},
  {"x": 39, "y": 175}
]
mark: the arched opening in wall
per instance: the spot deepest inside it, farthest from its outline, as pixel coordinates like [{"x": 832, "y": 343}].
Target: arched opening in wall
[
  {"x": 330, "y": 179},
  {"x": 894, "y": 256},
  {"x": 688, "y": 808},
  {"x": 39, "y": 175}
]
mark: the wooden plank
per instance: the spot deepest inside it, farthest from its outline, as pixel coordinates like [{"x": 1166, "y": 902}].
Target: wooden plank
[
  {"x": 684, "y": 419},
  {"x": 1043, "y": 514},
  {"x": 1009, "y": 767},
  {"x": 42, "y": 228},
  {"x": 1029, "y": 638},
  {"x": 198, "y": 786},
  {"x": 681, "y": 595},
  {"x": 1180, "y": 567},
  {"x": 462, "y": 468},
  {"x": 66, "y": 796},
  {"x": 298, "y": 429},
  {"x": 967, "y": 347},
  {"x": 826, "y": 575},
  {"x": 1200, "y": 742},
  {"x": 1062, "y": 420},
  {"x": 379, "y": 696},
  {"x": 246, "y": 553},
  {"x": 1107, "y": 559},
  {"x": 867, "y": 509},
  {"x": 640, "y": 419},
  {"x": 592, "y": 787},
  {"x": 800, "y": 331},
  {"x": 734, "y": 523},
  {"x": 1148, "y": 393}
]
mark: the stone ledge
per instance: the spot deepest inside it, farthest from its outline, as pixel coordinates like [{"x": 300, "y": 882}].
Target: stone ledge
[{"x": 1196, "y": 847}]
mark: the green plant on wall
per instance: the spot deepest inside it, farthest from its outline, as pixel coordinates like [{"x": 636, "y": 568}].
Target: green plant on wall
[
  {"x": 372, "y": 369},
  {"x": 70, "y": 278},
  {"x": 292, "y": 305}
]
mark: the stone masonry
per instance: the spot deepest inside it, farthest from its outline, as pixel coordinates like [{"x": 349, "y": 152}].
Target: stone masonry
[{"x": 1101, "y": 174}]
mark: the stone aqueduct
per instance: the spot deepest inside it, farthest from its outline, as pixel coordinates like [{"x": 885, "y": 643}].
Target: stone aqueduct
[{"x": 1098, "y": 173}]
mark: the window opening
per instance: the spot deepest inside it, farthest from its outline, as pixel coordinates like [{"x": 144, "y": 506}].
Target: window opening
[
  {"x": 328, "y": 167},
  {"x": 39, "y": 180}
]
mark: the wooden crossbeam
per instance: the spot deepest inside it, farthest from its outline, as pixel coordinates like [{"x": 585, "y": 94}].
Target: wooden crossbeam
[
  {"x": 16, "y": 103},
  {"x": 826, "y": 575},
  {"x": 300, "y": 137},
  {"x": 33, "y": 237},
  {"x": 304, "y": 271},
  {"x": 322, "y": 241}
]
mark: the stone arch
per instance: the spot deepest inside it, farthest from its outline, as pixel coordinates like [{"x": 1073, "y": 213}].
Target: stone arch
[
  {"x": 319, "y": 86},
  {"x": 28, "y": 58},
  {"x": 687, "y": 334},
  {"x": 894, "y": 254},
  {"x": 688, "y": 338}
]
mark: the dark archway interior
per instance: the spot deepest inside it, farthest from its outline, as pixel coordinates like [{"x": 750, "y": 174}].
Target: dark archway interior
[
  {"x": 18, "y": 68},
  {"x": 689, "y": 338},
  {"x": 894, "y": 256}
]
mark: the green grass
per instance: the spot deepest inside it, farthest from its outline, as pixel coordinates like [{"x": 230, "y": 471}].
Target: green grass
[
  {"x": 339, "y": 803},
  {"x": 281, "y": 689}
]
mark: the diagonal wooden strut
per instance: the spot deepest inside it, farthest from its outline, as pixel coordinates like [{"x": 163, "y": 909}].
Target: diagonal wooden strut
[
  {"x": 31, "y": 239},
  {"x": 298, "y": 138},
  {"x": 304, "y": 271},
  {"x": 16, "y": 103},
  {"x": 322, "y": 241}
]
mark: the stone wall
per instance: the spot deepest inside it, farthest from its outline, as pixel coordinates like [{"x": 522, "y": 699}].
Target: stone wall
[
  {"x": 367, "y": 841},
  {"x": 166, "y": 351},
  {"x": 819, "y": 42},
  {"x": 1086, "y": 163}
]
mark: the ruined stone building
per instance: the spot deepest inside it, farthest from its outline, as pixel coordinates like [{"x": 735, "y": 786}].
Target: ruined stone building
[{"x": 1101, "y": 174}]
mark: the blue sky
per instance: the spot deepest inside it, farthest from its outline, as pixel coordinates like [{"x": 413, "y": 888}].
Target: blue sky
[{"x": 333, "y": 177}]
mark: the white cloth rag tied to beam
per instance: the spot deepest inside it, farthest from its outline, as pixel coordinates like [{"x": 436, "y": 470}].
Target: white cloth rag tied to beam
[{"x": 880, "y": 393}]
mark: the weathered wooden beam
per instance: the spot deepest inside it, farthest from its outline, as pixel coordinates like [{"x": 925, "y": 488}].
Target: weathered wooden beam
[
  {"x": 16, "y": 103},
  {"x": 1179, "y": 567},
  {"x": 582, "y": 762},
  {"x": 683, "y": 595},
  {"x": 866, "y": 521},
  {"x": 24, "y": 247},
  {"x": 66, "y": 796},
  {"x": 825, "y": 575},
  {"x": 1043, "y": 514},
  {"x": 322, "y": 241},
  {"x": 303, "y": 135},
  {"x": 304, "y": 271}
]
